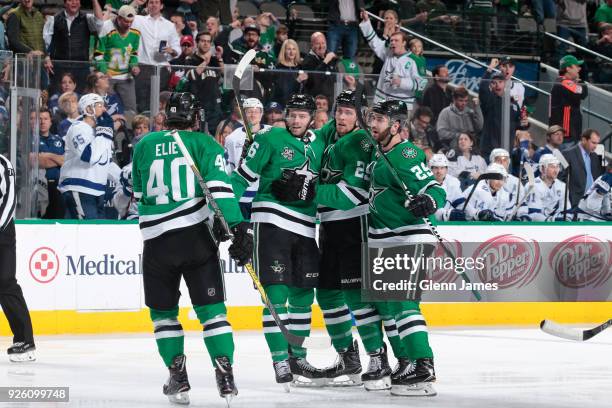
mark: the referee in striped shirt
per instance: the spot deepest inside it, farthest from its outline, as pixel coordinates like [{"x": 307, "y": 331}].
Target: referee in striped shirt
[{"x": 11, "y": 297}]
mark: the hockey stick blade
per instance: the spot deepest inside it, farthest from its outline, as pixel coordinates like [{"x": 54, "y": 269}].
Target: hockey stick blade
[
  {"x": 528, "y": 191},
  {"x": 240, "y": 68},
  {"x": 244, "y": 62},
  {"x": 555, "y": 329},
  {"x": 291, "y": 338}
]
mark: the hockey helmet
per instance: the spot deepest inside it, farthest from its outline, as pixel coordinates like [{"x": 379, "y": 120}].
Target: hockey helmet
[
  {"x": 182, "y": 109},
  {"x": 548, "y": 159},
  {"x": 499, "y": 152},
  {"x": 495, "y": 168},
  {"x": 348, "y": 97},
  {"x": 252, "y": 103},
  {"x": 395, "y": 109},
  {"x": 89, "y": 100},
  {"x": 438, "y": 160},
  {"x": 302, "y": 102}
]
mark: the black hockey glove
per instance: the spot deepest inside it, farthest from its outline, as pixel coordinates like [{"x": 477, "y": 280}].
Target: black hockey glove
[
  {"x": 456, "y": 215},
  {"x": 219, "y": 232},
  {"x": 486, "y": 215},
  {"x": 422, "y": 205},
  {"x": 242, "y": 246},
  {"x": 293, "y": 187}
]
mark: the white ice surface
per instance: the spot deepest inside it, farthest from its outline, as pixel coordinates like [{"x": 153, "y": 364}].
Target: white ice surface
[{"x": 493, "y": 368}]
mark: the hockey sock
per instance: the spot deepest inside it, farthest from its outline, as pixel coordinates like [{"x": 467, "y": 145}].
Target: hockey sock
[
  {"x": 338, "y": 320},
  {"x": 413, "y": 330},
  {"x": 367, "y": 320},
  {"x": 218, "y": 336},
  {"x": 277, "y": 294},
  {"x": 387, "y": 311},
  {"x": 168, "y": 334},
  {"x": 300, "y": 314}
]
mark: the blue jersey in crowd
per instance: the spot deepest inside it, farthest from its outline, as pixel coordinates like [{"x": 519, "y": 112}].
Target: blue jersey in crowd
[
  {"x": 52, "y": 144},
  {"x": 114, "y": 105}
]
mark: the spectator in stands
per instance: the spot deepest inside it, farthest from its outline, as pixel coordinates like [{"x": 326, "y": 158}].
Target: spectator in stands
[
  {"x": 159, "y": 43},
  {"x": 214, "y": 8},
  {"x": 140, "y": 127},
  {"x": 343, "y": 29},
  {"x": 584, "y": 165},
  {"x": 465, "y": 162},
  {"x": 68, "y": 33},
  {"x": 507, "y": 67},
  {"x": 69, "y": 106},
  {"x": 159, "y": 122},
  {"x": 422, "y": 133},
  {"x": 571, "y": 23},
  {"x": 458, "y": 119},
  {"x": 603, "y": 15},
  {"x": 51, "y": 158},
  {"x": 491, "y": 92},
  {"x": 321, "y": 117},
  {"x": 321, "y": 60},
  {"x": 99, "y": 83},
  {"x": 543, "y": 9},
  {"x": 187, "y": 48},
  {"x": 250, "y": 41},
  {"x": 480, "y": 16},
  {"x": 219, "y": 33},
  {"x": 67, "y": 84},
  {"x": 282, "y": 35},
  {"x": 224, "y": 128},
  {"x": 203, "y": 81},
  {"x": 399, "y": 78},
  {"x": 267, "y": 24},
  {"x": 554, "y": 139},
  {"x": 180, "y": 24},
  {"x": 322, "y": 103},
  {"x": 273, "y": 112},
  {"x": 292, "y": 81},
  {"x": 3, "y": 17},
  {"x": 438, "y": 95},
  {"x": 390, "y": 27},
  {"x": 117, "y": 56},
  {"x": 565, "y": 98},
  {"x": 416, "y": 53},
  {"x": 24, "y": 29},
  {"x": 602, "y": 74},
  {"x": 439, "y": 23}
]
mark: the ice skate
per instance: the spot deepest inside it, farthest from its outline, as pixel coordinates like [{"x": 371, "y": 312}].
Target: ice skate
[
  {"x": 21, "y": 352},
  {"x": 177, "y": 385},
  {"x": 378, "y": 375},
  {"x": 225, "y": 379},
  {"x": 415, "y": 380},
  {"x": 347, "y": 369},
  {"x": 282, "y": 371},
  {"x": 305, "y": 374}
]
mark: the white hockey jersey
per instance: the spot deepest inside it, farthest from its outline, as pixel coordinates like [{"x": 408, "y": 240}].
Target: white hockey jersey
[
  {"x": 123, "y": 200},
  {"x": 483, "y": 199},
  {"x": 402, "y": 66},
  {"x": 545, "y": 203},
  {"x": 234, "y": 143},
  {"x": 459, "y": 164},
  {"x": 86, "y": 160},
  {"x": 454, "y": 197},
  {"x": 595, "y": 206}
]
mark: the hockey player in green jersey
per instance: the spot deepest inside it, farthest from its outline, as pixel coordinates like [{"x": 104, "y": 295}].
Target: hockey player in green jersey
[
  {"x": 178, "y": 243},
  {"x": 395, "y": 220},
  {"x": 286, "y": 255}
]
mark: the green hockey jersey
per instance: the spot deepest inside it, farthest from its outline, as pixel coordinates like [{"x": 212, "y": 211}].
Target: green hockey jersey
[
  {"x": 170, "y": 196},
  {"x": 272, "y": 151},
  {"x": 117, "y": 54},
  {"x": 343, "y": 189},
  {"x": 389, "y": 221},
  {"x": 421, "y": 64}
]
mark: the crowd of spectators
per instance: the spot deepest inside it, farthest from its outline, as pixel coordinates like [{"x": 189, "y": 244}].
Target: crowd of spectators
[{"x": 119, "y": 48}]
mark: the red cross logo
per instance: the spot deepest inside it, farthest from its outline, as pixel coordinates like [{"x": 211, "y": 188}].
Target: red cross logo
[{"x": 44, "y": 265}]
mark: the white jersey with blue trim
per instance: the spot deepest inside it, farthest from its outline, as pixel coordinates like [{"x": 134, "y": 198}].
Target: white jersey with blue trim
[
  {"x": 86, "y": 160},
  {"x": 454, "y": 197},
  {"x": 545, "y": 203},
  {"x": 234, "y": 143},
  {"x": 484, "y": 199},
  {"x": 596, "y": 204}
]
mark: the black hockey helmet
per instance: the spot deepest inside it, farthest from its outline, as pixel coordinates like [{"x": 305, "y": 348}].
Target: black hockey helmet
[
  {"x": 182, "y": 109},
  {"x": 394, "y": 109},
  {"x": 302, "y": 102},
  {"x": 348, "y": 97}
]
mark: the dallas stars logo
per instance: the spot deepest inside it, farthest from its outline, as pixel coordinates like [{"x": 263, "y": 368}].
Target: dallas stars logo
[
  {"x": 373, "y": 193},
  {"x": 305, "y": 170},
  {"x": 277, "y": 267},
  {"x": 287, "y": 153},
  {"x": 328, "y": 174}
]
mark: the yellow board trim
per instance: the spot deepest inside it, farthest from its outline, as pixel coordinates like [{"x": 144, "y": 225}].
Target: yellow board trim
[{"x": 249, "y": 317}]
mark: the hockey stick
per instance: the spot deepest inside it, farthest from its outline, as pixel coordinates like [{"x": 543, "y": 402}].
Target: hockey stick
[
  {"x": 550, "y": 327},
  {"x": 518, "y": 187},
  {"x": 530, "y": 188},
  {"x": 559, "y": 156},
  {"x": 245, "y": 61},
  {"x": 483, "y": 176},
  {"x": 359, "y": 92},
  {"x": 294, "y": 340}
]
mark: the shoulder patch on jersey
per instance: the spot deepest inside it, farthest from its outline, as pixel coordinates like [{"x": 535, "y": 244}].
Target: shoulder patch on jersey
[
  {"x": 288, "y": 153},
  {"x": 365, "y": 144},
  {"x": 409, "y": 152},
  {"x": 263, "y": 131}
]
